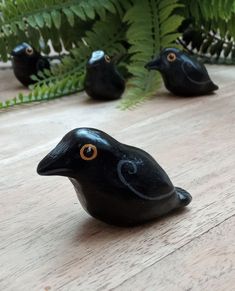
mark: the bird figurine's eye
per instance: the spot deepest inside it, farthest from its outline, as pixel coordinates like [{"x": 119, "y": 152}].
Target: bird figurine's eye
[
  {"x": 107, "y": 58},
  {"x": 29, "y": 51},
  {"x": 171, "y": 57},
  {"x": 88, "y": 152}
]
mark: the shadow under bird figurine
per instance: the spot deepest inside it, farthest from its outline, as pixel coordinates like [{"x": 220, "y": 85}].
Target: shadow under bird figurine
[
  {"x": 26, "y": 62},
  {"x": 116, "y": 183},
  {"x": 102, "y": 80},
  {"x": 183, "y": 74}
]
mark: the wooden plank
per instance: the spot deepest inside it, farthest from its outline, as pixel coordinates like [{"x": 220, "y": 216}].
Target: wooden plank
[
  {"x": 206, "y": 263},
  {"x": 49, "y": 241}
]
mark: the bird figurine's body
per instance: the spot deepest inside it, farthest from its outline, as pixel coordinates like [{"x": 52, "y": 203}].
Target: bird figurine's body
[
  {"x": 26, "y": 62},
  {"x": 102, "y": 80},
  {"x": 116, "y": 183},
  {"x": 183, "y": 74}
]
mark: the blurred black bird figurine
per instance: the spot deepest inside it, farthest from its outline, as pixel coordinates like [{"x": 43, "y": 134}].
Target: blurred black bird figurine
[
  {"x": 26, "y": 62},
  {"x": 103, "y": 81},
  {"x": 116, "y": 183},
  {"x": 183, "y": 74}
]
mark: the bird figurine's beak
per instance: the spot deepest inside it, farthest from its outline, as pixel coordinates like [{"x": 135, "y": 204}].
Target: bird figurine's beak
[
  {"x": 154, "y": 64},
  {"x": 55, "y": 163}
]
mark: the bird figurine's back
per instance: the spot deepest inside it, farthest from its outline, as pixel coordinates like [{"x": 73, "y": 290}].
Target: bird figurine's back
[
  {"x": 116, "y": 183},
  {"x": 183, "y": 74},
  {"x": 26, "y": 62},
  {"x": 102, "y": 80}
]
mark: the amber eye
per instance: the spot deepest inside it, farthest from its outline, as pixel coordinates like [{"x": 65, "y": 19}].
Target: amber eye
[
  {"x": 107, "y": 58},
  {"x": 88, "y": 152},
  {"x": 171, "y": 57},
  {"x": 29, "y": 51}
]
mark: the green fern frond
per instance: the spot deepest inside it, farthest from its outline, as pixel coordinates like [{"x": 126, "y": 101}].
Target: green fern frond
[
  {"x": 67, "y": 86},
  {"x": 208, "y": 10},
  {"x": 35, "y": 20},
  {"x": 211, "y": 30},
  {"x": 67, "y": 77},
  {"x": 147, "y": 36},
  {"x": 208, "y": 46},
  {"x": 216, "y": 15}
]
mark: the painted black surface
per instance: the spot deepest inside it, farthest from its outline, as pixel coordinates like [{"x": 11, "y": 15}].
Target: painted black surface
[
  {"x": 183, "y": 74},
  {"x": 26, "y": 61},
  {"x": 102, "y": 80},
  {"x": 116, "y": 183}
]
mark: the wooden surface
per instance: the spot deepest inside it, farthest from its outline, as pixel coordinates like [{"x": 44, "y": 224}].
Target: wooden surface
[{"x": 47, "y": 240}]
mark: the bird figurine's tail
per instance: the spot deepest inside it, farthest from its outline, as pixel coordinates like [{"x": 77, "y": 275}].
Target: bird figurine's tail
[{"x": 184, "y": 197}]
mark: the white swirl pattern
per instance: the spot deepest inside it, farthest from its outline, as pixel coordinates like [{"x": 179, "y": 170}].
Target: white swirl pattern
[{"x": 131, "y": 171}]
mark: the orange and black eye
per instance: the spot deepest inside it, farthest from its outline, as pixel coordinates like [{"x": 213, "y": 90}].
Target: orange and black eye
[
  {"x": 88, "y": 152},
  {"x": 29, "y": 51},
  {"x": 107, "y": 58},
  {"x": 171, "y": 57}
]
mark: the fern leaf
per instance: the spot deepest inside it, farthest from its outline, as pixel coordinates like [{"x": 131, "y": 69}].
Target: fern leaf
[
  {"x": 67, "y": 77},
  {"x": 35, "y": 16},
  {"x": 209, "y": 46},
  {"x": 152, "y": 26}
]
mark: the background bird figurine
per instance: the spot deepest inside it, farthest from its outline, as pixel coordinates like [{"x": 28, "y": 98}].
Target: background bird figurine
[
  {"x": 26, "y": 62},
  {"x": 183, "y": 74},
  {"x": 116, "y": 183},
  {"x": 102, "y": 80}
]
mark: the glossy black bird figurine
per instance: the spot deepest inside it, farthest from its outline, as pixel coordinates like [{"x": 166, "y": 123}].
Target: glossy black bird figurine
[
  {"x": 116, "y": 183},
  {"x": 26, "y": 62},
  {"x": 103, "y": 81},
  {"x": 183, "y": 74}
]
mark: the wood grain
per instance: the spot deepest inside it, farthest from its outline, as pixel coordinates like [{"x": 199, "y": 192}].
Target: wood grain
[
  {"x": 9, "y": 86},
  {"x": 47, "y": 240},
  {"x": 206, "y": 263}
]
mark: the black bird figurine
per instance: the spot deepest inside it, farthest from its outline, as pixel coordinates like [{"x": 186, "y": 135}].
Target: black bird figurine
[
  {"x": 183, "y": 74},
  {"x": 103, "y": 81},
  {"x": 116, "y": 183},
  {"x": 26, "y": 62}
]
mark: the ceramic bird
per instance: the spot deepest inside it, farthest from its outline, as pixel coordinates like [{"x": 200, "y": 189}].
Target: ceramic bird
[
  {"x": 116, "y": 183},
  {"x": 103, "y": 81},
  {"x": 26, "y": 62},
  {"x": 182, "y": 74}
]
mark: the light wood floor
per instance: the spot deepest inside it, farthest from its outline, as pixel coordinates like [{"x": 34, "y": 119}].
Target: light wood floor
[{"x": 48, "y": 242}]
